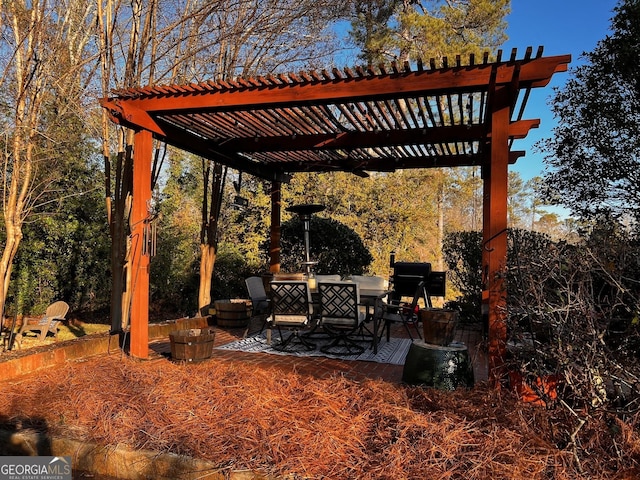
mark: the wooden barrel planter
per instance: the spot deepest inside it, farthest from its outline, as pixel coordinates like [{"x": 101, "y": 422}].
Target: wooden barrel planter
[
  {"x": 439, "y": 325},
  {"x": 194, "y": 345},
  {"x": 234, "y": 313},
  {"x": 444, "y": 367}
]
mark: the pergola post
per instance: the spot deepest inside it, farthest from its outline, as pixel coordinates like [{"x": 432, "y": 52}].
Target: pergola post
[
  {"x": 494, "y": 238},
  {"x": 139, "y": 332},
  {"x": 276, "y": 209}
]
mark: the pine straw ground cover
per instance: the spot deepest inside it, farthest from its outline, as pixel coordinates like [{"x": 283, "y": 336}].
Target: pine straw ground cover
[{"x": 242, "y": 416}]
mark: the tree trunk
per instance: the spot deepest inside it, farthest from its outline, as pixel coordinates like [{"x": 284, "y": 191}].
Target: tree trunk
[
  {"x": 18, "y": 166},
  {"x": 14, "y": 236},
  {"x": 213, "y": 178},
  {"x": 120, "y": 291},
  {"x": 13, "y": 205},
  {"x": 207, "y": 262},
  {"x": 117, "y": 285},
  {"x": 15, "y": 209}
]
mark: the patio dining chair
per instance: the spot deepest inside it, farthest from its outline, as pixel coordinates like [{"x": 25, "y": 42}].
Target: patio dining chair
[
  {"x": 290, "y": 310},
  {"x": 315, "y": 305},
  {"x": 260, "y": 303},
  {"x": 341, "y": 317},
  {"x": 397, "y": 312},
  {"x": 370, "y": 282}
]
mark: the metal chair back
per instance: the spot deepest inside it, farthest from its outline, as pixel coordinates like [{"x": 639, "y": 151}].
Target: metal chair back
[
  {"x": 290, "y": 298},
  {"x": 341, "y": 316},
  {"x": 290, "y": 309}
]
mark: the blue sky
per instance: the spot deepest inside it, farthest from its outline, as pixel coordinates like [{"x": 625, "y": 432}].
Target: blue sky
[{"x": 561, "y": 27}]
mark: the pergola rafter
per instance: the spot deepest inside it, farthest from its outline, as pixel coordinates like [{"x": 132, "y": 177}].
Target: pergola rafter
[{"x": 358, "y": 120}]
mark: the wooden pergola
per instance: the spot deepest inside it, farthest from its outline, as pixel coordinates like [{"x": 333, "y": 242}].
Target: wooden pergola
[{"x": 356, "y": 120}]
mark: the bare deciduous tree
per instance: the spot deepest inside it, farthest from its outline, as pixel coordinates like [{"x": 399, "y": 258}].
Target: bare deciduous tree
[
  {"x": 574, "y": 317},
  {"x": 190, "y": 41},
  {"x": 44, "y": 57}
]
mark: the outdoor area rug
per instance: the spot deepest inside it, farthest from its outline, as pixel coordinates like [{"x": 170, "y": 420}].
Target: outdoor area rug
[{"x": 393, "y": 352}]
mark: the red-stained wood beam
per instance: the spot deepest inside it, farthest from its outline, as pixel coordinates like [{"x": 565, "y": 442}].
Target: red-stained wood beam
[
  {"x": 124, "y": 113},
  {"x": 203, "y": 147},
  {"x": 139, "y": 332},
  {"x": 348, "y": 140},
  {"x": 536, "y": 71},
  {"x": 390, "y": 165},
  {"x": 494, "y": 251},
  {"x": 437, "y": 162}
]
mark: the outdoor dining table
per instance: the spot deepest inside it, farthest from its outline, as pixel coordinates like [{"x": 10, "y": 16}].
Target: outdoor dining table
[{"x": 372, "y": 297}]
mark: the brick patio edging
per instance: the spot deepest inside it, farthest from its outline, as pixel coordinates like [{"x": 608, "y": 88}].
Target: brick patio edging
[
  {"x": 83, "y": 347},
  {"x": 113, "y": 461}
]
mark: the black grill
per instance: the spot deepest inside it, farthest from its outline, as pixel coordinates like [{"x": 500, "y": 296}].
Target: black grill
[{"x": 407, "y": 276}]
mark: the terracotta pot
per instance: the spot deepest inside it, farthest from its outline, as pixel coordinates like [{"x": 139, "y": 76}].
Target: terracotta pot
[
  {"x": 439, "y": 325},
  {"x": 541, "y": 392}
]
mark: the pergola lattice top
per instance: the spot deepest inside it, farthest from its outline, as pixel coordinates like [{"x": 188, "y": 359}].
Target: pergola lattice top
[{"x": 355, "y": 120}]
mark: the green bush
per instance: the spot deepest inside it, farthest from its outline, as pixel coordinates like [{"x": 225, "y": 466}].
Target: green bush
[
  {"x": 229, "y": 273},
  {"x": 336, "y": 247},
  {"x": 463, "y": 254}
]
